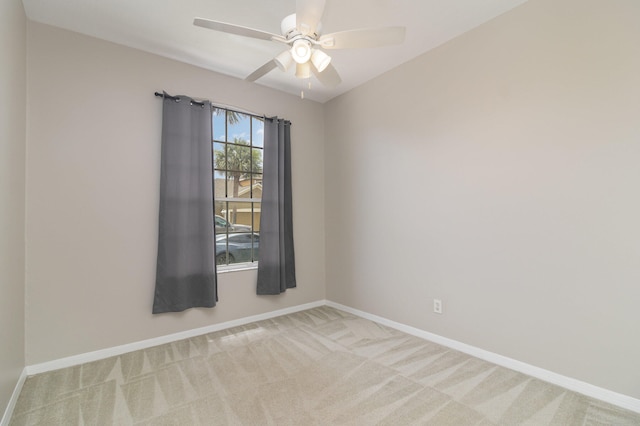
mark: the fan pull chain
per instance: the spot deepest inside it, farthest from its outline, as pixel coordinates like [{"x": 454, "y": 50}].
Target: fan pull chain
[{"x": 308, "y": 86}]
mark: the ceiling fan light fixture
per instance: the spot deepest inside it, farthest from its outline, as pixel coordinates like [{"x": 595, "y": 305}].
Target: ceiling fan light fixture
[
  {"x": 301, "y": 51},
  {"x": 303, "y": 70},
  {"x": 284, "y": 60},
  {"x": 320, "y": 60}
]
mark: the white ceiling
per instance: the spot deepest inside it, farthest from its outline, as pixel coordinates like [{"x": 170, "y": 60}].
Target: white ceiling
[{"x": 165, "y": 27}]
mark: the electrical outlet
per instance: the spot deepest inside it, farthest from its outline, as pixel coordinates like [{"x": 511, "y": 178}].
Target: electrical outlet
[{"x": 437, "y": 306}]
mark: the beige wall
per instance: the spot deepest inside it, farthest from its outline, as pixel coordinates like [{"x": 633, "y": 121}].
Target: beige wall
[
  {"x": 13, "y": 53},
  {"x": 92, "y": 194},
  {"x": 519, "y": 145}
]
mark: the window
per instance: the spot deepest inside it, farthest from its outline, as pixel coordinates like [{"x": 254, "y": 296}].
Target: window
[{"x": 237, "y": 179}]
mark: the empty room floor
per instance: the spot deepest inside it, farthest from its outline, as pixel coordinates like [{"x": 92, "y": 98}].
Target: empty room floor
[{"x": 316, "y": 367}]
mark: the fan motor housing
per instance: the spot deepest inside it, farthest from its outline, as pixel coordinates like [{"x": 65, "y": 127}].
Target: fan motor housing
[{"x": 288, "y": 28}]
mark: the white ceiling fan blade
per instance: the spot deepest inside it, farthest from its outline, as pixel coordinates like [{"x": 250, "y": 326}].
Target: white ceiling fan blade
[
  {"x": 308, "y": 15},
  {"x": 368, "y": 37},
  {"x": 329, "y": 77},
  {"x": 261, "y": 71},
  {"x": 235, "y": 29}
]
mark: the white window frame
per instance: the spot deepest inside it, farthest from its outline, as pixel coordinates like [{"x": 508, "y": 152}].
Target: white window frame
[{"x": 253, "y": 201}]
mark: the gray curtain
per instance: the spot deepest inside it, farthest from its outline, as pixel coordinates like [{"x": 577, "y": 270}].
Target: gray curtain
[
  {"x": 185, "y": 272},
  {"x": 276, "y": 265}
]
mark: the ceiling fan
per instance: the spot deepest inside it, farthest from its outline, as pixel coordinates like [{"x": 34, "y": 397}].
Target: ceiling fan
[{"x": 302, "y": 33}]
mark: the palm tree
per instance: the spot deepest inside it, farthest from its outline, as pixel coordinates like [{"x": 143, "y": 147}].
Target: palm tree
[
  {"x": 233, "y": 117},
  {"x": 240, "y": 161}
]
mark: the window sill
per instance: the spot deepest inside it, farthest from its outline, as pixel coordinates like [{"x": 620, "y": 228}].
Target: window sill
[{"x": 237, "y": 267}]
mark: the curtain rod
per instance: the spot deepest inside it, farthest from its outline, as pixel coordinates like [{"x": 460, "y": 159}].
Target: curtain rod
[{"x": 177, "y": 98}]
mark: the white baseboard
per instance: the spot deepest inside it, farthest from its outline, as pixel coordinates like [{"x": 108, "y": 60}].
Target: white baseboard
[
  {"x": 144, "y": 344},
  {"x": 584, "y": 388},
  {"x": 14, "y": 399}
]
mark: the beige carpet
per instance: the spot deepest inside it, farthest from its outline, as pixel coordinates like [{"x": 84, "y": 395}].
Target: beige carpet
[{"x": 317, "y": 367}]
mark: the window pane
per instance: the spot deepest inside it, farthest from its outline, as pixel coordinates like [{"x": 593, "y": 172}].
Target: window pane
[
  {"x": 257, "y": 155},
  {"x": 257, "y": 130},
  {"x": 236, "y": 248},
  {"x": 219, "y": 157},
  {"x": 256, "y": 185},
  {"x": 233, "y": 184},
  {"x": 239, "y": 126},
  {"x": 218, "y": 124},
  {"x": 219, "y": 181},
  {"x": 238, "y": 245},
  {"x": 220, "y": 219},
  {"x": 238, "y": 158},
  {"x": 240, "y": 215}
]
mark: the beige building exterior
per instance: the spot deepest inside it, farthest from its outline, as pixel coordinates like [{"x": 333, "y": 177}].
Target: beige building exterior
[{"x": 240, "y": 213}]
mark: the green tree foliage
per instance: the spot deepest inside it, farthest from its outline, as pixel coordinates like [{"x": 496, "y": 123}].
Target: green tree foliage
[
  {"x": 239, "y": 161},
  {"x": 233, "y": 117}
]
